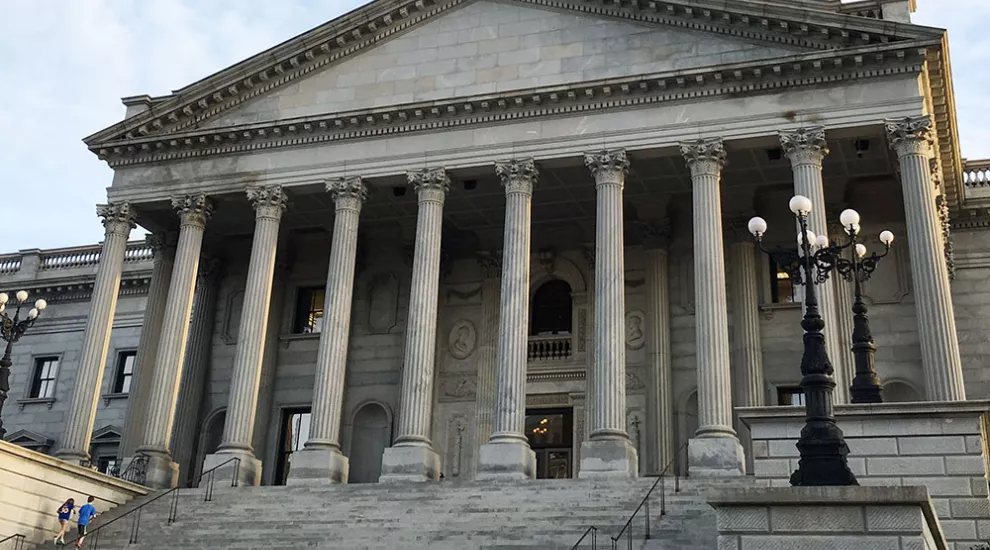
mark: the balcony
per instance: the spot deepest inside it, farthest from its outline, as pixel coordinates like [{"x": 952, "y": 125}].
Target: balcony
[
  {"x": 553, "y": 347},
  {"x": 976, "y": 178}
]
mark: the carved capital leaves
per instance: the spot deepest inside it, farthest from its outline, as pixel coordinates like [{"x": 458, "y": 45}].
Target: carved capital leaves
[
  {"x": 491, "y": 264},
  {"x": 518, "y": 175},
  {"x": 654, "y": 234},
  {"x": 431, "y": 184},
  {"x": 608, "y": 167},
  {"x": 805, "y": 145},
  {"x": 911, "y": 135},
  {"x": 209, "y": 269},
  {"x": 268, "y": 202},
  {"x": 155, "y": 241},
  {"x": 736, "y": 228},
  {"x": 348, "y": 193},
  {"x": 193, "y": 209},
  {"x": 704, "y": 156},
  {"x": 118, "y": 217}
]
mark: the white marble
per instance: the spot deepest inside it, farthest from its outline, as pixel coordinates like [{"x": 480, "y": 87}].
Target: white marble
[
  {"x": 660, "y": 398},
  {"x": 491, "y": 268}
]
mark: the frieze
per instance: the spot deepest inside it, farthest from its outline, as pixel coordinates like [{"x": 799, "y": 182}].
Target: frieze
[
  {"x": 462, "y": 389},
  {"x": 548, "y": 400}
]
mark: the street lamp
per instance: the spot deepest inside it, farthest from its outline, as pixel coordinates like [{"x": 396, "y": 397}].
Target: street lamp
[
  {"x": 11, "y": 330},
  {"x": 822, "y": 446}
]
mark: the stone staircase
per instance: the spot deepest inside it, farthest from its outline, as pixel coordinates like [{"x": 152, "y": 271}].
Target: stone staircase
[{"x": 541, "y": 514}]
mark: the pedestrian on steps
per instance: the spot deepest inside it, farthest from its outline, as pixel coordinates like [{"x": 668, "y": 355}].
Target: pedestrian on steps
[
  {"x": 86, "y": 514},
  {"x": 64, "y": 513}
]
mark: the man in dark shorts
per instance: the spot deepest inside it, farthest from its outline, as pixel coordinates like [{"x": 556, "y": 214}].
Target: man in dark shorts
[{"x": 86, "y": 513}]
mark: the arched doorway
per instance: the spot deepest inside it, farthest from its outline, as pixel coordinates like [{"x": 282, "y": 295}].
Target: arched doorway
[
  {"x": 687, "y": 424},
  {"x": 900, "y": 392},
  {"x": 371, "y": 435},
  {"x": 552, "y": 309}
]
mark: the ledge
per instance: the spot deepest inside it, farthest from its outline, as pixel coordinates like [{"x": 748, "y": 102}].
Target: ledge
[
  {"x": 287, "y": 339},
  {"x": 819, "y": 495},
  {"x": 50, "y": 401},
  {"x": 918, "y": 408},
  {"x": 108, "y": 397}
]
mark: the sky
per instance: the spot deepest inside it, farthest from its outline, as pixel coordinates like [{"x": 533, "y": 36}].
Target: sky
[{"x": 65, "y": 64}]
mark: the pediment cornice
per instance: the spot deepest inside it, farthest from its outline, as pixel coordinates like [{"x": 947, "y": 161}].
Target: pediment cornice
[{"x": 378, "y": 21}]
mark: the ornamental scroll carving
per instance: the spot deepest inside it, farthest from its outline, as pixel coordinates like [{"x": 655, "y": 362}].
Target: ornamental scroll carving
[
  {"x": 805, "y": 145},
  {"x": 193, "y": 209},
  {"x": 704, "y": 156},
  {"x": 608, "y": 166},
  {"x": 518, "y": 175},
  {"x": 460, "y": 389},
  {"x": 118, "y": 217},
  {"x": 463, "y": 339},
  {"x": 911, "y": 135}
]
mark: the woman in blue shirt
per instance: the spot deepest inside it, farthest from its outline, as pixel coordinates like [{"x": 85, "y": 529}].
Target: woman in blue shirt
[{"x": 64, "y": 513}]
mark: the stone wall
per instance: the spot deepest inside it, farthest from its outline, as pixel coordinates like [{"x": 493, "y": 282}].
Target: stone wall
[
  {"x": 941, "y": 446},
  {"x": 33, "y": 485}
]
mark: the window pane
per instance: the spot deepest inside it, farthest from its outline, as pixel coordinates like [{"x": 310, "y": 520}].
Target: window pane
[
  {"x": 129, "y": 362},
  {"x": 309, "y": 311},
  {"x": 47, "y": 389},
  {"x": 125, "y": 386},
  {"x": 125, "y": 367},
  {"x": 43, "y": 379}
]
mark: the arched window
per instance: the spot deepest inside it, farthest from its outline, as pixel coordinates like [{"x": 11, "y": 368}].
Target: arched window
[{"x": 551, "y": 309}]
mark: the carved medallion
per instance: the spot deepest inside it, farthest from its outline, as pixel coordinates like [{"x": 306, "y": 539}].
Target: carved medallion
[
  {"x": 635, "y": 329},
  {"x": 463, "y": 339}
]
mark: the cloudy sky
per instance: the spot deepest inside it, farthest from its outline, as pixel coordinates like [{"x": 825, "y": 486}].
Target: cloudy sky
[{"x": 66, "y": 64}]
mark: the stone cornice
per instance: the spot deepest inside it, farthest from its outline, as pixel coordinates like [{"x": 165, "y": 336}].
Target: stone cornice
[
  {"x": 383, "y": 19},
  {"x": 616, "y": 93}
]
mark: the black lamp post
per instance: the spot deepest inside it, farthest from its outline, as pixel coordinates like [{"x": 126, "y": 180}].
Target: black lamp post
[
  {"x": 11, "y": 330},
  {"x": 822, "y": 446}
]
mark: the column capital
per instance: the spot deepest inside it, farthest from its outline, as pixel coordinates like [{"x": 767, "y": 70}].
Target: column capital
[
  {"x": 704, "y": 156},
  {"x": 209, "y": 268},
  {"x": 491, "y": 264},
  {"x": 655, "y": 233},
  {"x": 118, "y": 217},
  {"x": 518, "y": 175},
  {"x": 736, "y": 228},
  {"x": 431, "y": 184},
  {"x": 268, "y": 201},
  {"x": 913, "y": 135},
  {"x": 193, "y": 210},
  {"x": 348, "y": 193},
  {"x": 156, "y": 241},
  {"x": 805, "y": 145},
  {"x": 608, "y": 166}
]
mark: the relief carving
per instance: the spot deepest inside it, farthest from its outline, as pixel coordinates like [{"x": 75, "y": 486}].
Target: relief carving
[
  {"x": 460, "y": 389},
  {"x": 463, "y": 339},
  {"x": 456, "y": 444},
  {"x": 633, "y": 382},
  {"x": 383, "y": 303},
  {"x": 635, "y": 335},
  {"x": 582, "y": 331},
  {"x": 551, "y": 399}
]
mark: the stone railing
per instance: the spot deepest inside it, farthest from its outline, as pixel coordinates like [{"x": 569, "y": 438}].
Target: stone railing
[
  {"x": 976, "y": 173},
  {"x": 550, "y": 348},
  {"x": 58, "y": 262},
  {"x": 10, "y": 263},
  {"x": 865, "y": 8},
  {"x": 70, "y": 258}
]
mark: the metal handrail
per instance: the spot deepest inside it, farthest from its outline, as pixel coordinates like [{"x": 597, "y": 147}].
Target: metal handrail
[
  {"x": 19, "y": 541},
  {"x": 173, "y": 508},
  {"x": 593, "y": 531}
]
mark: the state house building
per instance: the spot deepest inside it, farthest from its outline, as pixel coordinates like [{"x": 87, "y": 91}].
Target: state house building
[{"x": 506, "y": 238}]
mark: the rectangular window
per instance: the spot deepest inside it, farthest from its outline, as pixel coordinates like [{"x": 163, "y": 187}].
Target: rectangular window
[
  {"x": 107, "y": 465},
  {"x": 781, "y": 285},
  {"x": 125, "y": 371},
  {"x": 309, "y": 311},
  {"x": 788, "y": 396},
  {"x": 45, "y": 372}
]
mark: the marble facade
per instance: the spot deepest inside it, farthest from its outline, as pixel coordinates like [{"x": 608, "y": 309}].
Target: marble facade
[{"x": 418, "y": 178}]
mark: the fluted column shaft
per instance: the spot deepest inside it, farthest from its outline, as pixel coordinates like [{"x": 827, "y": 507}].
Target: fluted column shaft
[
  {"x": 151, "y": 332},
  {"x": 238, "y": 431},
  {"x": 747, "y": 348},
  {"x": 914, "y": 140},
  {"x": 193, "y": 214},
  {"x": 705, "y": 158},
  {"x": 806, "y": 148},
  {"x": 118, "y": 220},
  {"x": 660, "y": 401},
  {"x": 331, "y": 361},
  {"x": 491, "y": 265}
]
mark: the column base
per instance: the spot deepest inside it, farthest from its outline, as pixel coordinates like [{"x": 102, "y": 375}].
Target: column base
[
  {"x": 414, "y": 463},
  {"x": 613, "y": 458},
  {"x": 716, "y": 457},
  {"x": 247, "y": 474},
  {"x": 507, "y": 460},
  {"x": 160, "y": 472},
  {"x": 319, "y": 466}
]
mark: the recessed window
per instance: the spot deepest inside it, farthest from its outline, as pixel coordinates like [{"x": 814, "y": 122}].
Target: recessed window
[
  {"x": 781, "y": 285},
  {"x": 789, "y": 396},
  {"x": 107, "y": 465},
  {"x": 552, "y": 309},
  {"x": 45, "y": 372},
  {"x": 309, "y": 311},
  {"x": 125, "y": 371}
]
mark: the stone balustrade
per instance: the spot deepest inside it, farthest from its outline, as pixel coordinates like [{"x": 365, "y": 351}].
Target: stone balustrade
[
  {"x": 549, "y": 348},
  {"x": 29, "y": 265},
  {"x": 976, "y": 173},
  {"x": 867, "y": 8}
]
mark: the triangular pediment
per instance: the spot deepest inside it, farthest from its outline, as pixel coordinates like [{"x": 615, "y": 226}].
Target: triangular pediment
[
  {"x": 107, "y": 434},
  {"x": 393, "y": 51},
  {"x": 30, "y": 440}
]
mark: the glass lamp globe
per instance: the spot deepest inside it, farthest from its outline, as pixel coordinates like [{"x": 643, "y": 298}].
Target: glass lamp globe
[
  {"x": 40, "y": 304},
  {"x": 821, "y": 241},
  {"x": 849, "y": 218},
  {"x": 22, "y": 295},
  {"x": 4, "y": 298},
  {"x": 757, "y": 226},
  {"x": 860, "y": 250},
  {"x": 800, "y": 205},
  {"x": 886, "y": 237},
  {"x": 33, "y": 314},
  {"x": 809, "y": 236}
]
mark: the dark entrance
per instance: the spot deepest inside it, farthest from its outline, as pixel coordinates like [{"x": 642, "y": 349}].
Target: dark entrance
[
  {"x": 551, "y": 436},
  {"x": 294, "y": 433}
]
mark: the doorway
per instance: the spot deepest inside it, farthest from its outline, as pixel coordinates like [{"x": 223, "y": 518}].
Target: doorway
[
  {"x": 371, "y": 435},
  {"x": 551, "y": 436},
  {"x": 292, "y": 437}
]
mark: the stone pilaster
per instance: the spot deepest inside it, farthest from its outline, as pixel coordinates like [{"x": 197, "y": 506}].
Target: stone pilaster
[
  {"x": 321, "y": 459},
  {"x": 412, "y": 458},
  {"x": 118, "y": 220},
  {"x": 914, "y": 140},
  {"x": 806, "y": 148},
  {"x": 714, "y": 450},
  {"x": 491, "y": 268},
  {"x": 507, "y": 454},
  {"x": 238, "y": 430},
  {"x": 195, "y": 368},
  {"x": 659, "y": 387},
  {"x": 151, "y": 332},
  {"x": 156, "y": 440},
  {"x": 608, "y": 451}
]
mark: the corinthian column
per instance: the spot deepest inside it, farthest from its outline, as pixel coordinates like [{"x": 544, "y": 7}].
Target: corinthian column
[
  {"x": 491, "y": 267},
  {"x": 238, "y": 429},
  {"x": 659, "y": 400},
  {"x": 747, "y": 346},
  {"x": 507, "y": 454},
  {"x": 321, "y": 459},
  {"x": 714, "y": 450},
  {"x": 913, "y": 139},
  {"x": 806, "y": 148},
  {"x": 157, "y": 435},
  {"x": 151, "y": 332},
  {"x": 608, "y": 451},
  {"x": 412, "y": 458},
  {"x": 118, "y": 220}
]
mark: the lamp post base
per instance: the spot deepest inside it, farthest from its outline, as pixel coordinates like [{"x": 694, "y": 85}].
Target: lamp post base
[{"x": 823, "y": 459}]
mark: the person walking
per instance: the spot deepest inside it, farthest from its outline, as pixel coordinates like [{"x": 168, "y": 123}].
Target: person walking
[
  {"x": 64, "y": 513},
  {"x": 86, "y": 514}
]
